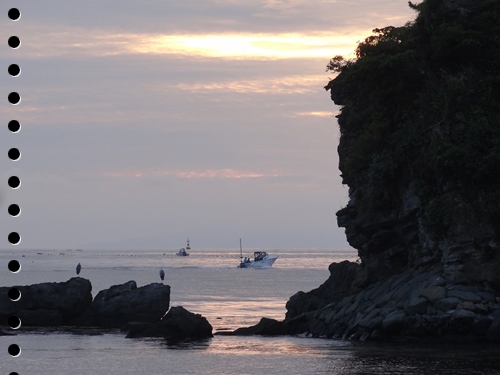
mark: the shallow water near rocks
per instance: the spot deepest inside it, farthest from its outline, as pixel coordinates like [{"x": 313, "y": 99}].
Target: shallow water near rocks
[{"x": 208, "y": 282}]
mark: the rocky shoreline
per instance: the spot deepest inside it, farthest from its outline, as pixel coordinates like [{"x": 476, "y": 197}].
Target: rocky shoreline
[
  {"x": 138, "y": 311},
  {"x": 413, "y": 305}
]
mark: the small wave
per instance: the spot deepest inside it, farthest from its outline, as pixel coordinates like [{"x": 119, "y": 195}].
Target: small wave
[{"x": 205, "y": 267}]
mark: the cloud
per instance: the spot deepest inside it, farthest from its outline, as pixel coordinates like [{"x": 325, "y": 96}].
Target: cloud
[
  {"x": 298, "y": 84},
  {"x": 250, "y": 45},
  {"x": 209, "y": 16},
  {"x": 73, "y": 42},
  {"x": 317, "y": 114},
  {"x": 224, "y": 173}
]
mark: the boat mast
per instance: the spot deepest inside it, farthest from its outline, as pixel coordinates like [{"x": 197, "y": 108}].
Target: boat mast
[{"x": 241, "y": 252}]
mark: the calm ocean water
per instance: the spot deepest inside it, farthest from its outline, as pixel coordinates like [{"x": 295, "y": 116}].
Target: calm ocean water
[{"x": 208, "y": 282}]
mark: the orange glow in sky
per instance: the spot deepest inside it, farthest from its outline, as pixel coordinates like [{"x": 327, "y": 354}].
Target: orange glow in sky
[
  {"x": 231, "y": 46},
  {"x": 250, "y": 46}
]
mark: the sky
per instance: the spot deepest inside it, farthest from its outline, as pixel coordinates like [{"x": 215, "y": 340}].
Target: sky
[{"x": 144, "y": 123}]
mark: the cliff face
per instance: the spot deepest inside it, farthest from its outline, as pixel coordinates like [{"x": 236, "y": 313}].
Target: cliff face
[
  {"x": 420, "y": 144},
  {"x": 404, "y": 238},
  {"x": 420, "y": 152}
]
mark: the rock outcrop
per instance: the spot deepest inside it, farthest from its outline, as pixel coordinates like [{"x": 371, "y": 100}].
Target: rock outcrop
[
  {"x": 47, "y": 304},
  {"x": 410, "y": 305},
  {"x": 178, "y": 324},
  {"x": 413, "y": 304},
  {"x": 142, "y": 312},
  {"x": 121, "y": 304},
  {"x": 340, "y": 283}
]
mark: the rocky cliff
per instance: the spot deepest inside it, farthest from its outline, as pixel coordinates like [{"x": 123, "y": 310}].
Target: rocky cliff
[
  {"x": 420, "y": 151},
  {"x": 419, "y": 146}
]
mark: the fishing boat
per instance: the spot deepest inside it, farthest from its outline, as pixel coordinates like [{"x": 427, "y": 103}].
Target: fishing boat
[
  {"x": 261, "y": 259},
  {"x": 183, "y": 251}
]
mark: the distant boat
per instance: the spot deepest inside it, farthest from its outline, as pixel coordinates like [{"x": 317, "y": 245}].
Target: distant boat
[
  {"x": 182, "y": 252},
  {"x": 261, "y": 259}
]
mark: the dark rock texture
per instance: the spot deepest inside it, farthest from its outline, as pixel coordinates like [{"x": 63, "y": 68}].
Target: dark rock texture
[
  {"x": 178, "y": 324},
  {"x": 121, "y": 304},
  {"x": 343, "y": 275},
  {"x": 47, "y": 304},
  {"x": 410, "y": 305}
]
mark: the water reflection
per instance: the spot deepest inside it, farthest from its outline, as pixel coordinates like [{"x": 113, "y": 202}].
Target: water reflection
[
  {"x": 185, "y": 344},
  {"x": 269, "y": 346},
  {"x": 417, "y": 359}
]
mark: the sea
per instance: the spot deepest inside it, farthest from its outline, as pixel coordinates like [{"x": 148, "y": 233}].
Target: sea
[{"x": 209, "y": 283}]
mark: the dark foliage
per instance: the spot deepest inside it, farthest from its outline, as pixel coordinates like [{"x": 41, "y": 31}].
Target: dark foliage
[{"x": 422, "y": 102}]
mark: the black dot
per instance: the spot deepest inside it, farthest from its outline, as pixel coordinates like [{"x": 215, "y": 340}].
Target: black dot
[
  {"x": 14, "y": 70},
  {"x": 14, "y": 126},
  {"x": 14, "y": 294},
  {"x": 14, "y": 14},
  {"x": 14, "y": 98},
  {"x": 14, "y": 238},
  {"x": 14, "y": 266},
  {"x": 14, "y": 322},
  {"x": 14, "y": 42},
  {"x": 14, "y": 210},
  {"x": 14, "y": 154},
  {"x": 14, "y": 350},
  {"x": 13, "y": 373},
  {"x": 14, "y": 182}
]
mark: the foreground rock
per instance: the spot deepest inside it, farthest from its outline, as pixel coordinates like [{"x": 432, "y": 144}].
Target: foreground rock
[
  {"x": 70, "y": 304},
  {"x": 178, "y": 324},
  {"x": 47, "y": 304},
  {"x": 142, "y": 312},
  {"x": 121, "y": 304}
]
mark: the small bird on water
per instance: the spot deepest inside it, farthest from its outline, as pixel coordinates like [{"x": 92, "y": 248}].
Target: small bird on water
[
  {"x": 162, "y": 274},
  {"x": 78, "y": 268}
]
